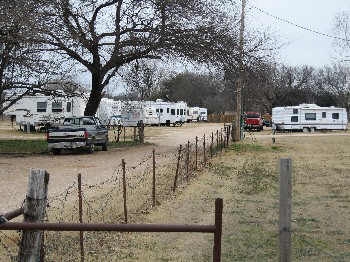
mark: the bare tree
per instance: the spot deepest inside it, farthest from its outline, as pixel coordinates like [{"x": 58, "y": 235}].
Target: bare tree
[
  {"x": 104, "y": 35},
  {"x": 143, "y": 80},
  {"x": 24, "y": 69},
  {"x": 342, "y": 28}
]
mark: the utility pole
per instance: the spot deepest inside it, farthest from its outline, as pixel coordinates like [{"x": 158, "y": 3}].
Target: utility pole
[{"x": 239, "y": 84}]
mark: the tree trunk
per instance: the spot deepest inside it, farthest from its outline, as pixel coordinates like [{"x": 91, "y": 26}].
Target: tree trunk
[{"x": 95, "y": 96}]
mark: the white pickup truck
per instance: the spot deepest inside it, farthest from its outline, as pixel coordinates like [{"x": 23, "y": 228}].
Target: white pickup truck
[{"x": 77, "y": 132}]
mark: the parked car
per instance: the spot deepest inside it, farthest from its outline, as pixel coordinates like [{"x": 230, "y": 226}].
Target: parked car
[
  {"x": 253, "y": 121},
  {"x": 84, "y": 132}
]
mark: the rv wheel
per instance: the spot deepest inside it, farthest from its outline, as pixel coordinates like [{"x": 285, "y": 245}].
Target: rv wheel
[
  {"x": 312, "y": 130},
  {"x": 305, "y": 129}
]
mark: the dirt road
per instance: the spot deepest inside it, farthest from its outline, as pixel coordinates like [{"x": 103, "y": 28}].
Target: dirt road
[{"x": 97, "y": 167}]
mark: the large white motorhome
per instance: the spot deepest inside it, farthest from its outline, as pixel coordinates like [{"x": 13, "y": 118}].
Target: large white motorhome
[
  {"x": 309, "y": 117},
  {"x": 41, "y": 110}
]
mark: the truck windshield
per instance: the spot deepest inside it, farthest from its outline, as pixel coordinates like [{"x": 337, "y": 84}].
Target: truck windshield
[{"x": 253, "y": 116}]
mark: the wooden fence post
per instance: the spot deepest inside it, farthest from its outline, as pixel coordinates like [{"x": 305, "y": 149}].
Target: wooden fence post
[
  {"x": 134, "y": 133},
  {"x": 154, "y": 179},
  {"x": 124, "y": 133},
  {"x": 285, "y": 212},
  {"x": 141, "y": 131},
  {"x": 218, "y": 230},
  {"x": 177, "y": 169},
  {"x": 124, "y": 193},
  {"x": 196, "y": 152},
  {"x": 82, "y": 253},
  {"x": 34, "y": 212}
]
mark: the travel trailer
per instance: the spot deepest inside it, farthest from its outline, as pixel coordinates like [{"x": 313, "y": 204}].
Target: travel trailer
[
  {"x": 308, "y": 118},
  {"x": 109, "y": 111},
  {"x": 164, "y": 113},
  {"x": 42, "y": 111},
  {"x": 197, "y": 114}
]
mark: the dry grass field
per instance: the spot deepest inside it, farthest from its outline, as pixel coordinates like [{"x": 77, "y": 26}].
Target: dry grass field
[{"x": 246, "y": 177}]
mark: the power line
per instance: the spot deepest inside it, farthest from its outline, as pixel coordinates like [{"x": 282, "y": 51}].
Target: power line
[{"x": 297, "y": 25}]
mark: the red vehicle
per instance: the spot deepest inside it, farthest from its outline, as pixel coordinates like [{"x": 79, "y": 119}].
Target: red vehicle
[{"x": 253, "y": 121}]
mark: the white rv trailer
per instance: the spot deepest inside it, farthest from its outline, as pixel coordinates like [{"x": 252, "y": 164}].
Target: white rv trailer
[
  {"x": 164, "y": 113},
  {"x": 132, "y": 112},
  {"x": 109, "y": 111},
  {"x": 309, "y": 117},
  {"x": 41, "y": 110},
  {"x": 197, "y": 114},
  {"x": 203, "y": 114}
]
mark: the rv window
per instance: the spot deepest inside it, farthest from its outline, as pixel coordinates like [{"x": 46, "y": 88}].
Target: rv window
[
  {"x": 202, "y": 113},
  {"x": 69, "y": 106},
  {"x": 294, "y": 119},
  {"x": 177, "y": 111},
  {"x": 41, "y": 106},
  {"x": 56, "y": 106},
  {"x": 161, "y": 110},
  {"x": 181, "y": 111},
  {"x": 157, "y": 110},
  {"x": 195, "y": 112},
  {"x": 295, "y": 111},
  {"x": 173, "y": 112},
  {"x": 188, "y": 112},
  {"x": 335, "y": 115},
  {"x": 324, "y": 114},
  {"x": 167, "y": 110},
  {"x": 310, "y": 116}
]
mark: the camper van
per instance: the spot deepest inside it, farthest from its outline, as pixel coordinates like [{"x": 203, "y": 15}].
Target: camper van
[
  {"x": 41, "y": 110},
  {"x": 308, "y": 118}
]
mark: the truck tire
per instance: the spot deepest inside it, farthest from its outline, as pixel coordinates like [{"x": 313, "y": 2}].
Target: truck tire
[
  {"x": 91, "y": 148},
  {"x": 56, "y": 151}
]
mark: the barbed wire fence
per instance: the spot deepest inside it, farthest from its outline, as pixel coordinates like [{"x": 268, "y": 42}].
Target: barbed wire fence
[{"x": 104, "y": 202}]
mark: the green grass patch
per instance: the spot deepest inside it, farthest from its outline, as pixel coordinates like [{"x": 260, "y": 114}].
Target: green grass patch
[
  {"x": 23, "y": 146},
  {"x": 244, "y": 147}
]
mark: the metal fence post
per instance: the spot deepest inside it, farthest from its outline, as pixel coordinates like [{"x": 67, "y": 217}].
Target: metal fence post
[
  {"x": 124, "y": 193},
  {"x": 154, "y": 179},
  {"x": 177, "y": 169},
  {"x": 34, "y": 212},
  {"x": 82, "y": 253},
  {"x": 204, "y": 156},
  {"x": 218, "y": 230},
  {"x": 187, "y": 159},
  {"x": 285, "y": 212},
  {"x": 196, "y": 152}
]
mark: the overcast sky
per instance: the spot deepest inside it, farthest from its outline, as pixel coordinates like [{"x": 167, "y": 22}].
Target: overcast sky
[{"x": 303, "y": 48}]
